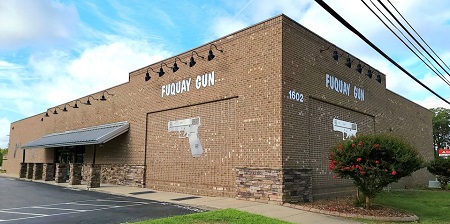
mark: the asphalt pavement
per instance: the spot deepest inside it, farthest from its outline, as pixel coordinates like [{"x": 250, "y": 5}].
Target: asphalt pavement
[
  {"x": 159, "y": 203},
  {"x": 35, "y": 202}
]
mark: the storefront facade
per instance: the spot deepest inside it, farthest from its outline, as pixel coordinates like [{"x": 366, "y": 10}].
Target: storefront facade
[{"x": 255, "y": 121}]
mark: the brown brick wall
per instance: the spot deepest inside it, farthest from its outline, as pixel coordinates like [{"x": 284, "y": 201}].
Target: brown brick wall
[
  {"x": 248, "y": 118},
  {"x": 307, "y": 126},
  {"x": 240, "y": 116}
]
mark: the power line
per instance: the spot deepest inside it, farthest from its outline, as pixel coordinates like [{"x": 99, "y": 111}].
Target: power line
[
  {"x": 418, "y": 34},
  {"x": 384, "y": 6},
  {"x": 351, "y": 28},
  {"x": 434, "y": 69}
]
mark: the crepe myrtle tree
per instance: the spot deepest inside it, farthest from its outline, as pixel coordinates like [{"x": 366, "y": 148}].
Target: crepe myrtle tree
[{"x": 373, "y": 161}]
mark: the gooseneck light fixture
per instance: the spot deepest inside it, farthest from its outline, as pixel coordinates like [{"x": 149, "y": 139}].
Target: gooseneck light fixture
[
  {"x": 359, "y": 68},
  {"x": 349, "y": 61},
  {"x": 210, "y": 53},
  {"x": 369, "y": 73},
  {"x": 103, "y": 95},
  {"x": 161, "y": 71},
  {"x": 147, "y": 75},
  {"x": 335, "y": 55},
  {"x": 57, "y": 107},
  {"x": 192, "y": 61},
  {"x": 378, "y": 78},
  {"x": 46, "y": 112},
  {"x": 175, "y": 66},
  {"x": 76, "y": 105},
  {"x": 88, "y": 102}
]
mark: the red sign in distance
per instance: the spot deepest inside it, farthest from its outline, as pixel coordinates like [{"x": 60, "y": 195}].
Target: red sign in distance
[{"x": 444, "y": 152}]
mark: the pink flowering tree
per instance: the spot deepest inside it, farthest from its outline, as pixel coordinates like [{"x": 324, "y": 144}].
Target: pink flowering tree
[{"x": 373, "y": 162}]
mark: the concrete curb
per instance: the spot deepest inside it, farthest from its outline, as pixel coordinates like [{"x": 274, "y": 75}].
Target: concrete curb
[{"x": 412, "y": 218}]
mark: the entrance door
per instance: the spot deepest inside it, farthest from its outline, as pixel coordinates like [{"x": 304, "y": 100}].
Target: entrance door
[{"x": 71, "y": 154}]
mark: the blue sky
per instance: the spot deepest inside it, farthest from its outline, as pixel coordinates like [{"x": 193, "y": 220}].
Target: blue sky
[{"x": 52, "y": 52}]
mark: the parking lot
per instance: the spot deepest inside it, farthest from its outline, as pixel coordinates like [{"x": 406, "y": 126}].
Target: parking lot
[{"x": 31, "y": 202}]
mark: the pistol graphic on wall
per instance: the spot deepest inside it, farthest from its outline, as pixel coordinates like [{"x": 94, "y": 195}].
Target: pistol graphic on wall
[
  {"x": 348, "y": 129},
  {"x": 188, "y": 128}
]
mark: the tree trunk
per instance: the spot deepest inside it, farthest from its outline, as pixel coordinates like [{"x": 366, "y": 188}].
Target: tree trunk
[{"x": 367, "y": 203}]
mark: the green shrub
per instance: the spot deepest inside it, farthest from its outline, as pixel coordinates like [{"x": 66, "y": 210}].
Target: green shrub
[
  {"x": 441, "y": 168},
  {"x": 373, "y": 162}
]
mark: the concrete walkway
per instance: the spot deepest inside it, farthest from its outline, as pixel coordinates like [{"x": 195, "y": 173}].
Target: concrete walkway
[{"x": 211, "y": 203}]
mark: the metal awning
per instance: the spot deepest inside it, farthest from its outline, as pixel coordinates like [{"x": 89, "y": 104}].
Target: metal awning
[{"x": 85, "y": 136}]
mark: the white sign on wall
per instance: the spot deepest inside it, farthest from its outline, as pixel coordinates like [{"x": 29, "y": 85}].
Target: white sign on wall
[
  {"x": 347, "y": 128},
  {"x": 343, "y": 87},
  {"x": 175, "y": 88}
]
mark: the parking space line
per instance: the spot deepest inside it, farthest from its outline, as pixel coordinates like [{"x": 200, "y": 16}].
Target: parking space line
[
  {"x": 22, "y": 213},
  {"x": 64, "y": 203},
  {"x": 64, "y": 209},
  {"x": 90, "y": 204},
  {"x": 66, "y": 213}
]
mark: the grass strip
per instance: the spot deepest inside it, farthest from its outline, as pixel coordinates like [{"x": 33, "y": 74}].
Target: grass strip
[{"x": 226, "y": 216}]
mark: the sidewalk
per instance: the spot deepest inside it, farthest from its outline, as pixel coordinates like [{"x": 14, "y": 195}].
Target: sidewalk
[{"x": 210, "y": 203}]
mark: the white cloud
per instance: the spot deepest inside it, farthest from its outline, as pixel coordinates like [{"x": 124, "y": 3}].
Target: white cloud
[
  {"x": 61, "y": 78},
  {"x": 226, "y": 25},
  {"x": 4, "y": 132},
  {"x": 28, "y": 22},
  {"x": 8, "y": 65},
  {"x": 428, "y": 20}
]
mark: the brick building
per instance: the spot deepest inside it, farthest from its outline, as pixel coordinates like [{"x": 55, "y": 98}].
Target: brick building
[{"x": 254, "y": 122}]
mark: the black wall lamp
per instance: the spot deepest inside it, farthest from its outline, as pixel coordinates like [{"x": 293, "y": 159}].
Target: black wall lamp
[
  {"x": 359, "y": 68},
  {"x": 147, "y": 75},
  {"x": 103, "y": 95},
  {"x": 76, "y": 105},
  {"x": 378, "y": 78},
  {"x": 349, "y": 61},
  {"x": 88, "y": 102},
  {"x": 175, "y": 66},
  {"x": 161, "y": 71},
  {"x": 335, "y": 55},
  {"x": 369, "y": 73},
  {"x": 46, "y": 112},
  {"x": 192, "y": 61},
  {"x": 57, "y": 107},
  {"x": 210, "y": 53}
]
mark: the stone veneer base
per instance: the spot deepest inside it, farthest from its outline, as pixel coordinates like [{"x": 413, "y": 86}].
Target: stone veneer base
[
  {"x": 119, "y": 174},
  {"x": 273, "y": 185}
]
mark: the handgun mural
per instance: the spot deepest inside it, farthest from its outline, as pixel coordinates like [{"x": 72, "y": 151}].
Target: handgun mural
[
  {"x": 348, "y": 129},
  {"x": 188, "y": 128}
]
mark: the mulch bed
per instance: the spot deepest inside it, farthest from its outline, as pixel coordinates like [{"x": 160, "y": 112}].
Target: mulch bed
[{"x": 346, "y": 205}]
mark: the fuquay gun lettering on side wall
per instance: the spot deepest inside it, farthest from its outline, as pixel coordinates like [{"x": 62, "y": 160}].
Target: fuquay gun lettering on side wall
[
  {"x": 348, "y": 129},
  {"x": 188, "y": 128}
]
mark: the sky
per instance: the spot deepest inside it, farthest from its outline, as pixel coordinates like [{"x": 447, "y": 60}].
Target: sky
[{"x": 52, "y": 52}]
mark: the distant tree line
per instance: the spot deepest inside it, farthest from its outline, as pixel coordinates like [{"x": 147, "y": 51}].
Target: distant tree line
[{"x": 2, "y": 153}]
